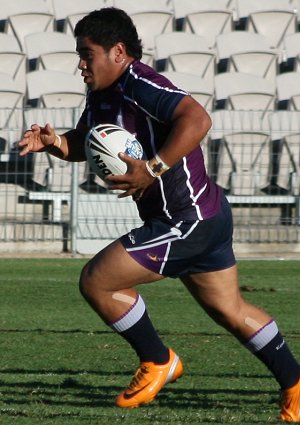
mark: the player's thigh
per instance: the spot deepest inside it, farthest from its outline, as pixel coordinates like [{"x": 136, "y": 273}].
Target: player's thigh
[
  {"x": 216, "y": 290},
  {"x": 114, "y": 269}
]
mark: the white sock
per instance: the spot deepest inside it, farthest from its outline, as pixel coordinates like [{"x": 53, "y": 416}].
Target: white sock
[{"x": 131, "y": 317}]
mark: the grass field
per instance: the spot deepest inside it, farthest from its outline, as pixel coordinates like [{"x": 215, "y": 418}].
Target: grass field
[{"x": 60, "y": 365}]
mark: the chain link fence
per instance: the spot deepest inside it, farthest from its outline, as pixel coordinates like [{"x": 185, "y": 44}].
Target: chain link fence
[{"x": 255, "y": 158}]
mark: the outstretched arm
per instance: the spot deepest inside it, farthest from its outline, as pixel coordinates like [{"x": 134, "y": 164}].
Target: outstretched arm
[{"x": 68, "y": 146}]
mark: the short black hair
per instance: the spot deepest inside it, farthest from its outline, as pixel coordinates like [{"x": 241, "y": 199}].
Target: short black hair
[{"x": 109, "y": 26}]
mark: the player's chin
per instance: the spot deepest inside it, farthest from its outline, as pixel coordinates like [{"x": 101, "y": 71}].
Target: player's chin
[
  {"x": 90, "y": 83},
  {"x": 94, "y": 85}
]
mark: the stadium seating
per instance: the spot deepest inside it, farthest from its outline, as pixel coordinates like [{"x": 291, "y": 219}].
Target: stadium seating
[
  {"x": 272, "y": 18},
  {"x": 250, "y": 53},
  {"x": 229, "y": 54},
  {"x": 151, "y": 19},
  {"x": 208, "y": 20},
  {"x": 11, "y": 113},
  {"x": 13, "y": 60},
  {"x": 240, "y": 91},
  {"x": 68, "y": 12},
  {"x": 133, "y": 6},
  {"x": 201, "y": 89},
  {"x": 26, "y": 17},
  {"x": 183, "y": 8},
  {"x": 184, "y": 52},
  {"x": 285, "y": 132},
  {"x": 55, "y": 89},
  {"x": 291, "y": 51},
  {"x": 53, "y": 51},
  {"x": 240, "y": 152},
  {"x": 288, "y": 90}
]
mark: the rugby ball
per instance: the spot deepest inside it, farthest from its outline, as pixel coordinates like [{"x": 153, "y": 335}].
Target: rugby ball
[{"x": 103, "y": 144}]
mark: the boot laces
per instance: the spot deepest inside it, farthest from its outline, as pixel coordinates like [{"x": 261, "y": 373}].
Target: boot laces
[{"x": 138, "y": 377}]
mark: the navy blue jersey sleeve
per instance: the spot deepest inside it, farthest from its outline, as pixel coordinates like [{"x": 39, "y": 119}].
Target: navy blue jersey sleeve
[{"x": 152, "y": 92}]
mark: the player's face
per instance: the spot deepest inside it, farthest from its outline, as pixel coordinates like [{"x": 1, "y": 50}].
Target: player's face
[{"x": 99, "y": 68}]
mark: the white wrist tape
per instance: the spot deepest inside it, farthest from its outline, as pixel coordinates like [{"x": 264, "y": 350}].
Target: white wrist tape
[
  {"x": 158, "y": 167},
  {"x": 161, "y": 163},
  {"x": 149, "y": 169}
]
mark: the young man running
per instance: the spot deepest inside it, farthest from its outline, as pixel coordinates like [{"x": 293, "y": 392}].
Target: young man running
[{"x": 187, "y": 231}]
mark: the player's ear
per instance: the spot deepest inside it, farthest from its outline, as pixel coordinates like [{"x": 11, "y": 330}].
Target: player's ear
[{"x": 120, "y": 52}]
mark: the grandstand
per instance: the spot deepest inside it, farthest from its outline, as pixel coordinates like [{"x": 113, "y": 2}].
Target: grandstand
[{"x": 239, "y": 58}]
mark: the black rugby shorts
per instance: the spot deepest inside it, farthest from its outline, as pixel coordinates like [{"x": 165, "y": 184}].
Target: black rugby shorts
[{"x": 179, "y": 248}]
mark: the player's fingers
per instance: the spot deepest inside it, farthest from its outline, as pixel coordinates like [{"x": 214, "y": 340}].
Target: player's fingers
[
  {"x": 24, "y": 151},
  {"x": 125, "y": 158},
  {"x": 35, "y": 128},
  {"x": 115, "y": 178},
  {"x": 125, "y": 194},
  {"x": 23, "y": 142},
  {"x": 135, "y": 193},
  {"x": 122, "y": 186},
  {"x": 138, "y": 194},
  {"x": 26, "y": 137}
]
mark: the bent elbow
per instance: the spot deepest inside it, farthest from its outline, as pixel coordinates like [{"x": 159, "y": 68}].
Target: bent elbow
[{"x": 207, "y": 122}]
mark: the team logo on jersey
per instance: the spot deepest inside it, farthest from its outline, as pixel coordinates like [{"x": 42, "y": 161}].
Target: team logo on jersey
[{"x": 134, "y": 149}]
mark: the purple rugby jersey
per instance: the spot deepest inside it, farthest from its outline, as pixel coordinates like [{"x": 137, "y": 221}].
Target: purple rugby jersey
[{"x": 143, "y": 101}]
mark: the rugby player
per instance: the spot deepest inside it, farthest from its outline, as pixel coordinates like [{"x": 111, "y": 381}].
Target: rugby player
[{"x": 187, "y": 231}]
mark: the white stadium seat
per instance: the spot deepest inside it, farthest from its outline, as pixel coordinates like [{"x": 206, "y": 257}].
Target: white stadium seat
[
  {"x": 244, "y": 152},
  {"x": 274, "y": 19},
  {"x": 247, "y": 52},
  {"x": 11, "y": 110},
  {"x": 54, "y": 89},
  {"x": 291, "y": 50},
  {"x": 151, "y": 19},
  {"x": 288, "y": 90},
  {"x": 27, "y": 17},
  {"x": 240, "y": 91},
  {"x": 285, "y": 128},
  {"x": 201, "y": 89},
  {"x": 184, "y": 52},
  {"x": 74, "y": 10},
  {"x": 53, "y": 51},
  {"x": 204, "y": 18},
  {"x": 13, "y": 60}
]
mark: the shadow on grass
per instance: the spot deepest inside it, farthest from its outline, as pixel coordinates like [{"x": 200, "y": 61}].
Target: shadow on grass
[
  {"x": 69, "y": 391},
  {"x": 222, "y": 334}
]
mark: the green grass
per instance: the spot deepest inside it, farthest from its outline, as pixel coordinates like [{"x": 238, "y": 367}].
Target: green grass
[{"x": 61, "y": 365}]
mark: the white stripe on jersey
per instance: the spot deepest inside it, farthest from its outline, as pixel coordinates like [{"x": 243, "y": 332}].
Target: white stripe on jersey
[
  {"x": 169, "y": 244},
  {"x": 165, "y": 209},
  {"x": 192, "y": 195},
  {"x": 151, "y": 83},
  {"x": 171, "y": 236}
]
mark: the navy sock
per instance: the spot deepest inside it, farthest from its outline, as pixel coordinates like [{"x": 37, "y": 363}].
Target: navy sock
[
  {"x": 145, "y": 341},
  {"x": 280, "y": 361},
  {"x": 269, "y": 346},
  {"x": 136, "y": 328}
]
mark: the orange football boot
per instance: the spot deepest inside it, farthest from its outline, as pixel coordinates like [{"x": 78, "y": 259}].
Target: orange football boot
[
  {"x": 290, "y": 406},
  {"x": 148, "y": 380}
]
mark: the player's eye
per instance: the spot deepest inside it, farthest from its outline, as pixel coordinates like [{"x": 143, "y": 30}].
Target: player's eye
[{"x": 85, "y": 55}]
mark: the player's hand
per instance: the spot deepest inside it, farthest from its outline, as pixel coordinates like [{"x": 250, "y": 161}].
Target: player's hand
[
  {"x": 135, "y": 181},
  {"x": 37, "y": 139}
]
